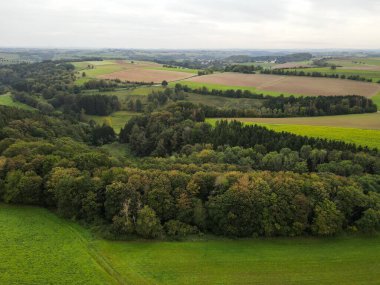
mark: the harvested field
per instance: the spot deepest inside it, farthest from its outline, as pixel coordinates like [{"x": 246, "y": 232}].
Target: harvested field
[
  {"x": 147, "y": 75},
  {"x": 292, "y": 84}
]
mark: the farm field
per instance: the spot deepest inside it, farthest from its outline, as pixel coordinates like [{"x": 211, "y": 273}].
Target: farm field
[
  {"x": 370, "y": 138},
  {"x": 363, "y": 71},
  {"x": 147, "y": 75},
  {"x": 292, "y": 84},
  {"x": 361, "y": 121},
  {"x": 29, "y": 233},
  {"x": 39, "y": 248},
  {"x": 139, "y": 71},
  {"x": 357, "y": 62},
  {"x": 6, "y": 100}
]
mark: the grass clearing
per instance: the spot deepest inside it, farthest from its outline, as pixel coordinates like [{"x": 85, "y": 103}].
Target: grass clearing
[
  {"x": 370, "y": 138},
  {"x": 6, "y": 100},
  {"x": 39, "y": 248},
  {"x": 116, "y": 120}
]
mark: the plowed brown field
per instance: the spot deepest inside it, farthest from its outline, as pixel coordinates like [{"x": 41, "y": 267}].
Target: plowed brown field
[{"x": 310, "y": 86}]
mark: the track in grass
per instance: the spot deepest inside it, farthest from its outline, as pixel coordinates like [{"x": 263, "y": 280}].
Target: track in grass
[
  {"x": 39, "y": 248},
  {"x": 36, "y": 247}
]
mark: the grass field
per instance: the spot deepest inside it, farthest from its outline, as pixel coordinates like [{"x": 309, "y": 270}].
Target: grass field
[
  {"x": 369, "y": 121},
  {"x": 370, "y": 138},
  {"x": 116, "y": 120},
  {"x": 39, "y": 248},
  {"x": 376, "y": 100},
  {"x": 6, "y": 100},
  {"x": 229, "y": 87}
]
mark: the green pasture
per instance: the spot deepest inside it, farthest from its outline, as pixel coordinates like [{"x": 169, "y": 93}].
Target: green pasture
[
  {"x": 363, "y": 137},
  {"x": 6, "y": 100},
  {"x": 37, "y": 247},
  {"x": 116, "y": 120}
]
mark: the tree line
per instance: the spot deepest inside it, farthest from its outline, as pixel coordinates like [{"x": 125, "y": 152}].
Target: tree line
[{"x": 294, "y": 72}]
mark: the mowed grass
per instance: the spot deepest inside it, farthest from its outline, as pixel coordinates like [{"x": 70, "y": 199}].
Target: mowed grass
[
  {"x": 362, "y": 137},
  {"x": 116, "y": 120},
  {"x": 36, "y": 247},
  {"x": 39, "y": 248},
  {"x": 6, "y": 100},
  {"x": 211, "y": 86}
]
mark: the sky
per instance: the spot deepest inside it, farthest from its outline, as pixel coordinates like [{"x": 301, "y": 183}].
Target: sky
[{"x": 191, "y": 24}]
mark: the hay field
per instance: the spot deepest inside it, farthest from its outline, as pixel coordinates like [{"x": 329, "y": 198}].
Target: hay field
[{"x": 292, "y": 84}]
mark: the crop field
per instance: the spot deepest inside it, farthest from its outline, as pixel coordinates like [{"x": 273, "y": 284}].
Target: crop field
[
  {"x": 363, "y": 137},
  {"x": 6, "y": 100},
  {"x": 37, "y": 247},
  {"x": 292, "y": 84}
]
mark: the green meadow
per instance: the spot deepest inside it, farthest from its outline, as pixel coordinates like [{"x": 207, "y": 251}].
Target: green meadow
[
  {"x": 211, "y": 86},
  {"x": 116, "y": 120},
  {"x": 6, "y": 100},
  {"x": 37, "y": 247},
  {"x": 363, "y": 137}
]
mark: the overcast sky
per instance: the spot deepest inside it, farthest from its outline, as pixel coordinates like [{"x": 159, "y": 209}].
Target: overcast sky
[{"x": 254, "y": 24}]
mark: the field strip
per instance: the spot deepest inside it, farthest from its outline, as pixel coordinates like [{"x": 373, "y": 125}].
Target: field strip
[
  {"x": 272, "y": 83},
  {"x": 96, "y": 256}
]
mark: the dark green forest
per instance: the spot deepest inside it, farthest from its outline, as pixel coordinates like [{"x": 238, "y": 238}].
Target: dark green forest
[{"x": 179, "y": 176}]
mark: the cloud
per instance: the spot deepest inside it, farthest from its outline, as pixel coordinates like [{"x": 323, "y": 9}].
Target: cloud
[{"x": 191, "y": 23}]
